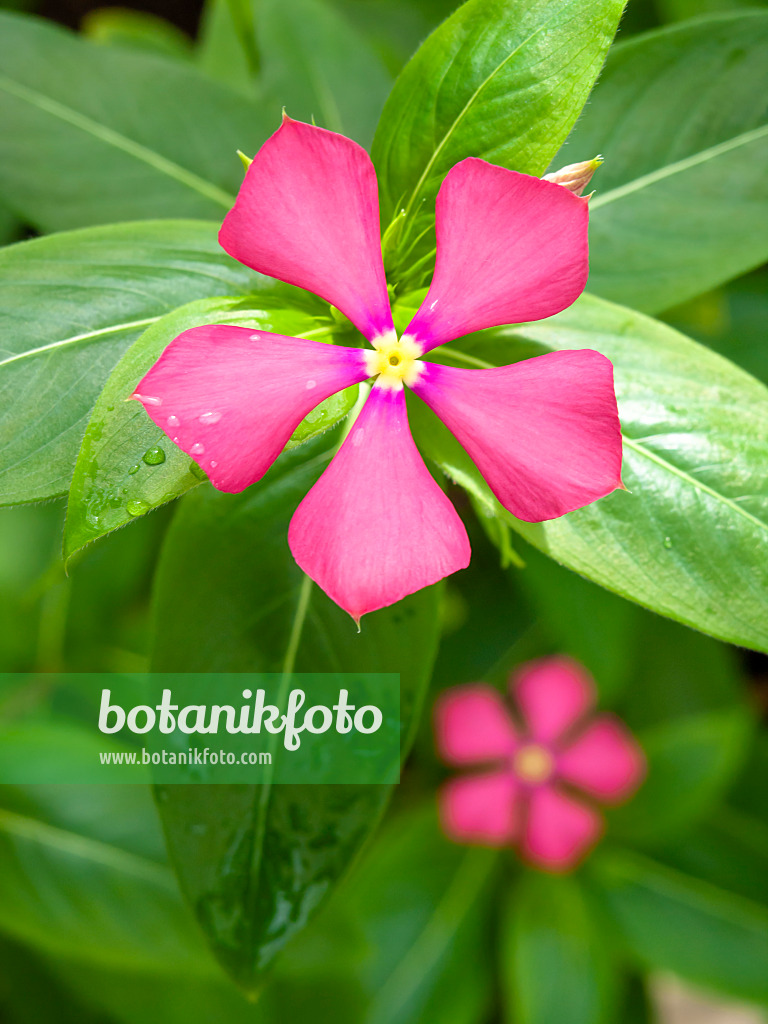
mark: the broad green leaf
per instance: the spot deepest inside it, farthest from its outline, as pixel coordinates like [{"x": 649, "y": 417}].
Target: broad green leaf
[
  {"x": 69, "y": 895},
  {"x": 317, "y": 66},
  {"x": 501, "y": 79},
  {"x": 729, "y": 849},
  {"x": 127, "y": 466},
  {"x": 691, "y": 762},
  {"x": 732, "y": 321},
  {"x": 682, "y": 199},
  {"x": 230, "y": 597},
  {"x": 675, "y": 922},
  {"x": 684, "y": 538},
  {"x": 556, "y": 961},
  {"x": 136, "y": 30},
  {"x": 221, "y": 50},
  {"x": 422, "y": 905},
  {"x": 70, "y": 305},
  {"x": 94, "y": 134},
  {"x": 678, "y": 674},
  {"x": 676, "y": 10}
]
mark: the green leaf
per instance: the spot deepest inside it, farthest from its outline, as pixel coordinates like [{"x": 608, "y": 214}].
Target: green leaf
[
  {"x": 682, "y": 538},
  {"x": 229, "y": 597},
  {"x": 556, "y": 963},
  {"x": 221, "y": 50},
  {"x": 730, "y": 849},
  {"x": 675, "y": 922},
  {"x": 69, "y": 895},
  {"x": 136, "y": 30},
  {"x": 501, "y": 79},
  {"x": 127, "y": 466},
  {"x": 691, "y": 762},
  {"x": 317, "y": 66},
  {"x": 94, "y": 134},
  {"x": 682, "y": 198},
  {"x": 70, "y": 305},
  {"x": 422, "y": 905}
]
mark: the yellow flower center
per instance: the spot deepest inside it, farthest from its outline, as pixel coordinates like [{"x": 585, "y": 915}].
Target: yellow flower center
[
  {"x": 533, "y": 763},
  {"x": 394, "y": 361}
]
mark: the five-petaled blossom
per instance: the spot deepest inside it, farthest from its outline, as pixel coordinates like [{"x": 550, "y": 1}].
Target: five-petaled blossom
[
  {"x": 376, "y": 526},
  {"x": 538, "y": 772}
]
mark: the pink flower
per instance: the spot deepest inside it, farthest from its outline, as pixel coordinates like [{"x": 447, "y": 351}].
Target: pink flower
[
  {"x": 533, "y": 793},
  {"x": 376, "y": 526}
]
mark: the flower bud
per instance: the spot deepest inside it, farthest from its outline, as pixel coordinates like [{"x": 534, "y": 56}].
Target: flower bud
[{"x": 575, "y": 177}]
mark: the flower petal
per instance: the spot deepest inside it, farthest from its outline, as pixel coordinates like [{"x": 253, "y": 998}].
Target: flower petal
[
  {"x": 544, "y": 433},
  {"x": 481, "y": 809},
  {"x": 376, "y": 526},
  {"x": 308, "y": 213},
  {"x": 510, "y": 248},
  {"x": 230, "y": 397},
  {"x": 552, "y": 693},
  {"x": 558, "y": 830},
  {"x": 604, "y": 760},
  {"x": 473, "y": 725}
]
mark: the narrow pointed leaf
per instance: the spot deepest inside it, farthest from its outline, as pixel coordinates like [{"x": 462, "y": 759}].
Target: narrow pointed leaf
[{"x": 501, "y": 79}]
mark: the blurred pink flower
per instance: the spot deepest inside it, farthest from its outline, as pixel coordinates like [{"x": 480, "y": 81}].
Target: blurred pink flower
[
  {"x": 376, "y": 526},
  {"x": 539, "y": 774}
]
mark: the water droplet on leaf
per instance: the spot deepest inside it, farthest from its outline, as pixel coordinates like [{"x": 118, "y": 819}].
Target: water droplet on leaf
[
  {"x": 196, "y": 471},
  {"x": 667, "y": 542},
  {"x": 133, "y": 469},
  {"x": 136, "y": 507},
  {"x": 154, "y": 456}
]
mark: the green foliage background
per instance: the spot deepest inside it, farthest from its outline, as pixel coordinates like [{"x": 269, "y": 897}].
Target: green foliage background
[{"x": 117, "y": 160}]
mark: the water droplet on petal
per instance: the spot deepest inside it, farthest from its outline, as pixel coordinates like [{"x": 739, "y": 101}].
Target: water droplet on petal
[
  {"x": 148, "y": 399},
  {"x": 136, "y": 507},
  {"x": 173, "y": 421},
  {"x": 154, "y": 456},
  {"x": 209, "y": 418},
  {"x": 133, "y": 469},
  {"x": 255, "y": 337},
  {"x": 311, "y": 384},
  {"x": 357, "y": 437},
  {"x": 197, "y": 449},
  {"x": 213, "y": 464}
]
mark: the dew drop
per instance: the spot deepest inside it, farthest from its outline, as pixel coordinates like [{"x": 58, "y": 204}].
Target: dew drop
[
  {"x": 209, "y": 418},
  {"x": 357, "y": 437},
  {"x": 173, "y": 421},
  {"x": 197, "y": 449},
  {"x": 667, "y": 542},
  {"x": 197, "y": 472},
  {"x": 213, "y": 464},
  {"x": 133, "y": 469},
  {"x": 255, "y": 337},
  {"x": 154, "y": 456},
  {"x": 148, "y": 399},
  {"x": 136, "y": 507},
  {"x": 311, "y": 384},
  {"x": 314, "y": 416}
]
